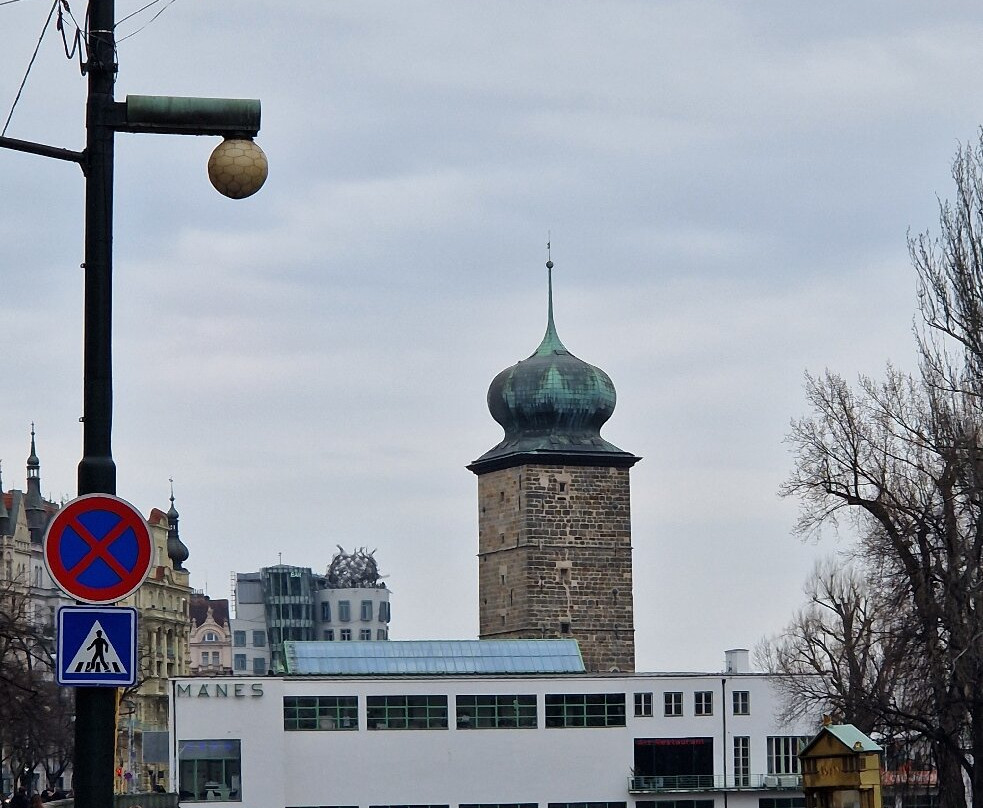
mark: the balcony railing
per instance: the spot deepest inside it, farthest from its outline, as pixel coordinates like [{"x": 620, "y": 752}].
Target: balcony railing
[{"x": 715, "y": 782}]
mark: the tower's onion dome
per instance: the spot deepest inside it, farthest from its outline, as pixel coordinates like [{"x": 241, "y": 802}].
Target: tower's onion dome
[{"x": 552, "y": 404}]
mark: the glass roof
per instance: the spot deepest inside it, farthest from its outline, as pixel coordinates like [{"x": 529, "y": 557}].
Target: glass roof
[{"x": 432, "y": 657}]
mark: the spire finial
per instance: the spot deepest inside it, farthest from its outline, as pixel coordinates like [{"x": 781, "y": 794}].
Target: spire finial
[
  {"x": 551, "y": 342},
  {"x": 171, "y": 481}
]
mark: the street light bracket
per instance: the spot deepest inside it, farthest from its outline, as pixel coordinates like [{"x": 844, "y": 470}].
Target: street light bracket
[{"x": 175, "y": 115}]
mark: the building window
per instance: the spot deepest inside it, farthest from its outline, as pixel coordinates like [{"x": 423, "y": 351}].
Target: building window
[
  {"x": 499, "y": 805},
  {"x": 239, "y": 639},
  {"x": 380, "y": 634},
  {"x": 325, "y": 612},
  {"x": 643, "y": 704},
  {"x": 259, "y": 639},
  {"x": 204, "y": 657},
  {"x": 408, "y": 806},
  {"x": 329, "y": 634},
  {"x": 783, "y": 753},
  {"x": 239, "y": 662},
  {"x": 210, "y": 636},
  {"x": 703, "y": 702},
  {"x": 406, "y": 712},
  {"x": 587, "y": 805},
  {"x": 320, "y": 712},
  {"x": 215, "y": 658},
  {"x": 365, "y": 634},
  {"x": 496, "y": 712},
  {"x": 366, "y": 610},
  {"x": 797, "y": 802},
  {"x": 344, "y": 611},
  {"x": 259, "y": 665},
  {"x": 742, "y": 761},
  {"x": 346, "y": 634},
  {"x": 384, "y": 612},
  {"x": 585, "y": 710},
  {"x": 210, "y": 770},
  {"x": 673, "y": 703},
  {"x": 674, "y": 804},
  {"x": 742, "y": 702}
]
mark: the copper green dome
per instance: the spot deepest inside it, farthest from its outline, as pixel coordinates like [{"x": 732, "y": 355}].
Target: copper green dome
[{"x": 552, "y": 406}]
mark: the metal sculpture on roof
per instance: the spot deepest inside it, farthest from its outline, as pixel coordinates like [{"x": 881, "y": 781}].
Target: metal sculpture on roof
[{"x": 354, "y": 570}]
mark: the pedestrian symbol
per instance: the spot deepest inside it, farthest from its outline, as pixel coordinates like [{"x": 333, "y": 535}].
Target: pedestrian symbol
[
  {"x": 96, "y": 654},
  {"x": 96, "y": 646}
]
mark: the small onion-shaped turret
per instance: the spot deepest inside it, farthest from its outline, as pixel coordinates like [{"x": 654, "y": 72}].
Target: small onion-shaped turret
[{"x": 176, "y": 551}]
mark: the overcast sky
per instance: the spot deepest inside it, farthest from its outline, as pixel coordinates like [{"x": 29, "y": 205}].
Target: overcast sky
[{"x": 728, "y": 185}]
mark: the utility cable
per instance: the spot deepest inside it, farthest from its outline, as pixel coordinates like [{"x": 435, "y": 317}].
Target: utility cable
[
  {"x": 29, "y": 66},
  {"x": 161, "y": 11}
]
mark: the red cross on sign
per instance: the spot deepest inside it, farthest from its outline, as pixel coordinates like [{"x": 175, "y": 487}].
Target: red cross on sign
[{"x": 98, "y": 549}]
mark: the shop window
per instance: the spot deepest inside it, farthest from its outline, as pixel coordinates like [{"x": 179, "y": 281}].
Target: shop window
[
  {"x": 496, "y": 712},
  {"x": 320, "y": 712},
  {"x": 209, "y": 770},
  {"x": 406, "y": 712},
  {"x": 585, "y": 710}
]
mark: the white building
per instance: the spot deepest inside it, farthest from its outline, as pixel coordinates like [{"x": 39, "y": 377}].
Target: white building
[
  {"x": 481, "y": 723},
  {"x": 283, "y": 603}
]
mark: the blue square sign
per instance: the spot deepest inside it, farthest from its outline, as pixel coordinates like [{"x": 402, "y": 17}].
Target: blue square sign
[{"x": 97, "y": 646}]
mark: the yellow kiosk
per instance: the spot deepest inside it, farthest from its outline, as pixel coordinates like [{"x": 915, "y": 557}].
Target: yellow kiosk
[{"x": 841, "y": 768}]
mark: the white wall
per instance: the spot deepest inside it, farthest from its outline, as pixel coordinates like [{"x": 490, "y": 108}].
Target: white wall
[{"x": 385, "y": 767}]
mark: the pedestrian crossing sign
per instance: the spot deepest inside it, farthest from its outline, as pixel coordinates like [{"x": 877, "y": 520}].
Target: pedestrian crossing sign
[{"x": 97, "y": 646}]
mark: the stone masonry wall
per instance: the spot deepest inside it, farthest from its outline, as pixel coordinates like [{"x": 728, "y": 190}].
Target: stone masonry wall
[{"x": 554, "y": 549}]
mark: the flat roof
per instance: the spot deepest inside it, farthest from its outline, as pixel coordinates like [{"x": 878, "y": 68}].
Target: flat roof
[{"x": 432, "y": 657}]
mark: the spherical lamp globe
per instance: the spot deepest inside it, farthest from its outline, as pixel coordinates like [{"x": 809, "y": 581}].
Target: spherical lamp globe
[{"x": 237, "y": 168}]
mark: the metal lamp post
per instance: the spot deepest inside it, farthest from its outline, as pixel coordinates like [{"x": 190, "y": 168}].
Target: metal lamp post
[{"x": 236, "y": 175}]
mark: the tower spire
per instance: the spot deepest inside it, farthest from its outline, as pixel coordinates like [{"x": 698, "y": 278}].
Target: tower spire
[
  {"x": 551, "y": 340},
  {"x": 33, "y": 507},
  {"x": 4, "y": 516}
]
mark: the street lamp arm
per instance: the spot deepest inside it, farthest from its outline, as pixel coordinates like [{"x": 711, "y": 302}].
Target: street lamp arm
[
  {"x": 42, "y": 149},
  {"x": 175, "y": 115}
]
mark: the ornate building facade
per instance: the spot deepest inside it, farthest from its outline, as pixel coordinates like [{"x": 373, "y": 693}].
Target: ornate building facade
[{"x": 554, "y": 509}]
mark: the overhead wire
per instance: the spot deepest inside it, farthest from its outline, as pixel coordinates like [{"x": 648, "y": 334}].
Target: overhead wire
[
  {"x": 148, "y": 22},
  {"x": 30, "y": 64}
]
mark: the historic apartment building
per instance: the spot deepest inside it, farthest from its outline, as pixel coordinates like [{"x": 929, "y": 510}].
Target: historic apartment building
[
  {"x": 162, "y": 603},
  {"x": 554, "y": 509}
]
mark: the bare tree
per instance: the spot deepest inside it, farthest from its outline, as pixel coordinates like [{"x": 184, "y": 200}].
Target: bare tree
[
  {"x": 902, "y": 458},
  {"x": 835, "y": 656}
]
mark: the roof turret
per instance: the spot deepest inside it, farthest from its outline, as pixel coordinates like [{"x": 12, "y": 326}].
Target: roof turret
[{"x": 176, "y": 549}]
